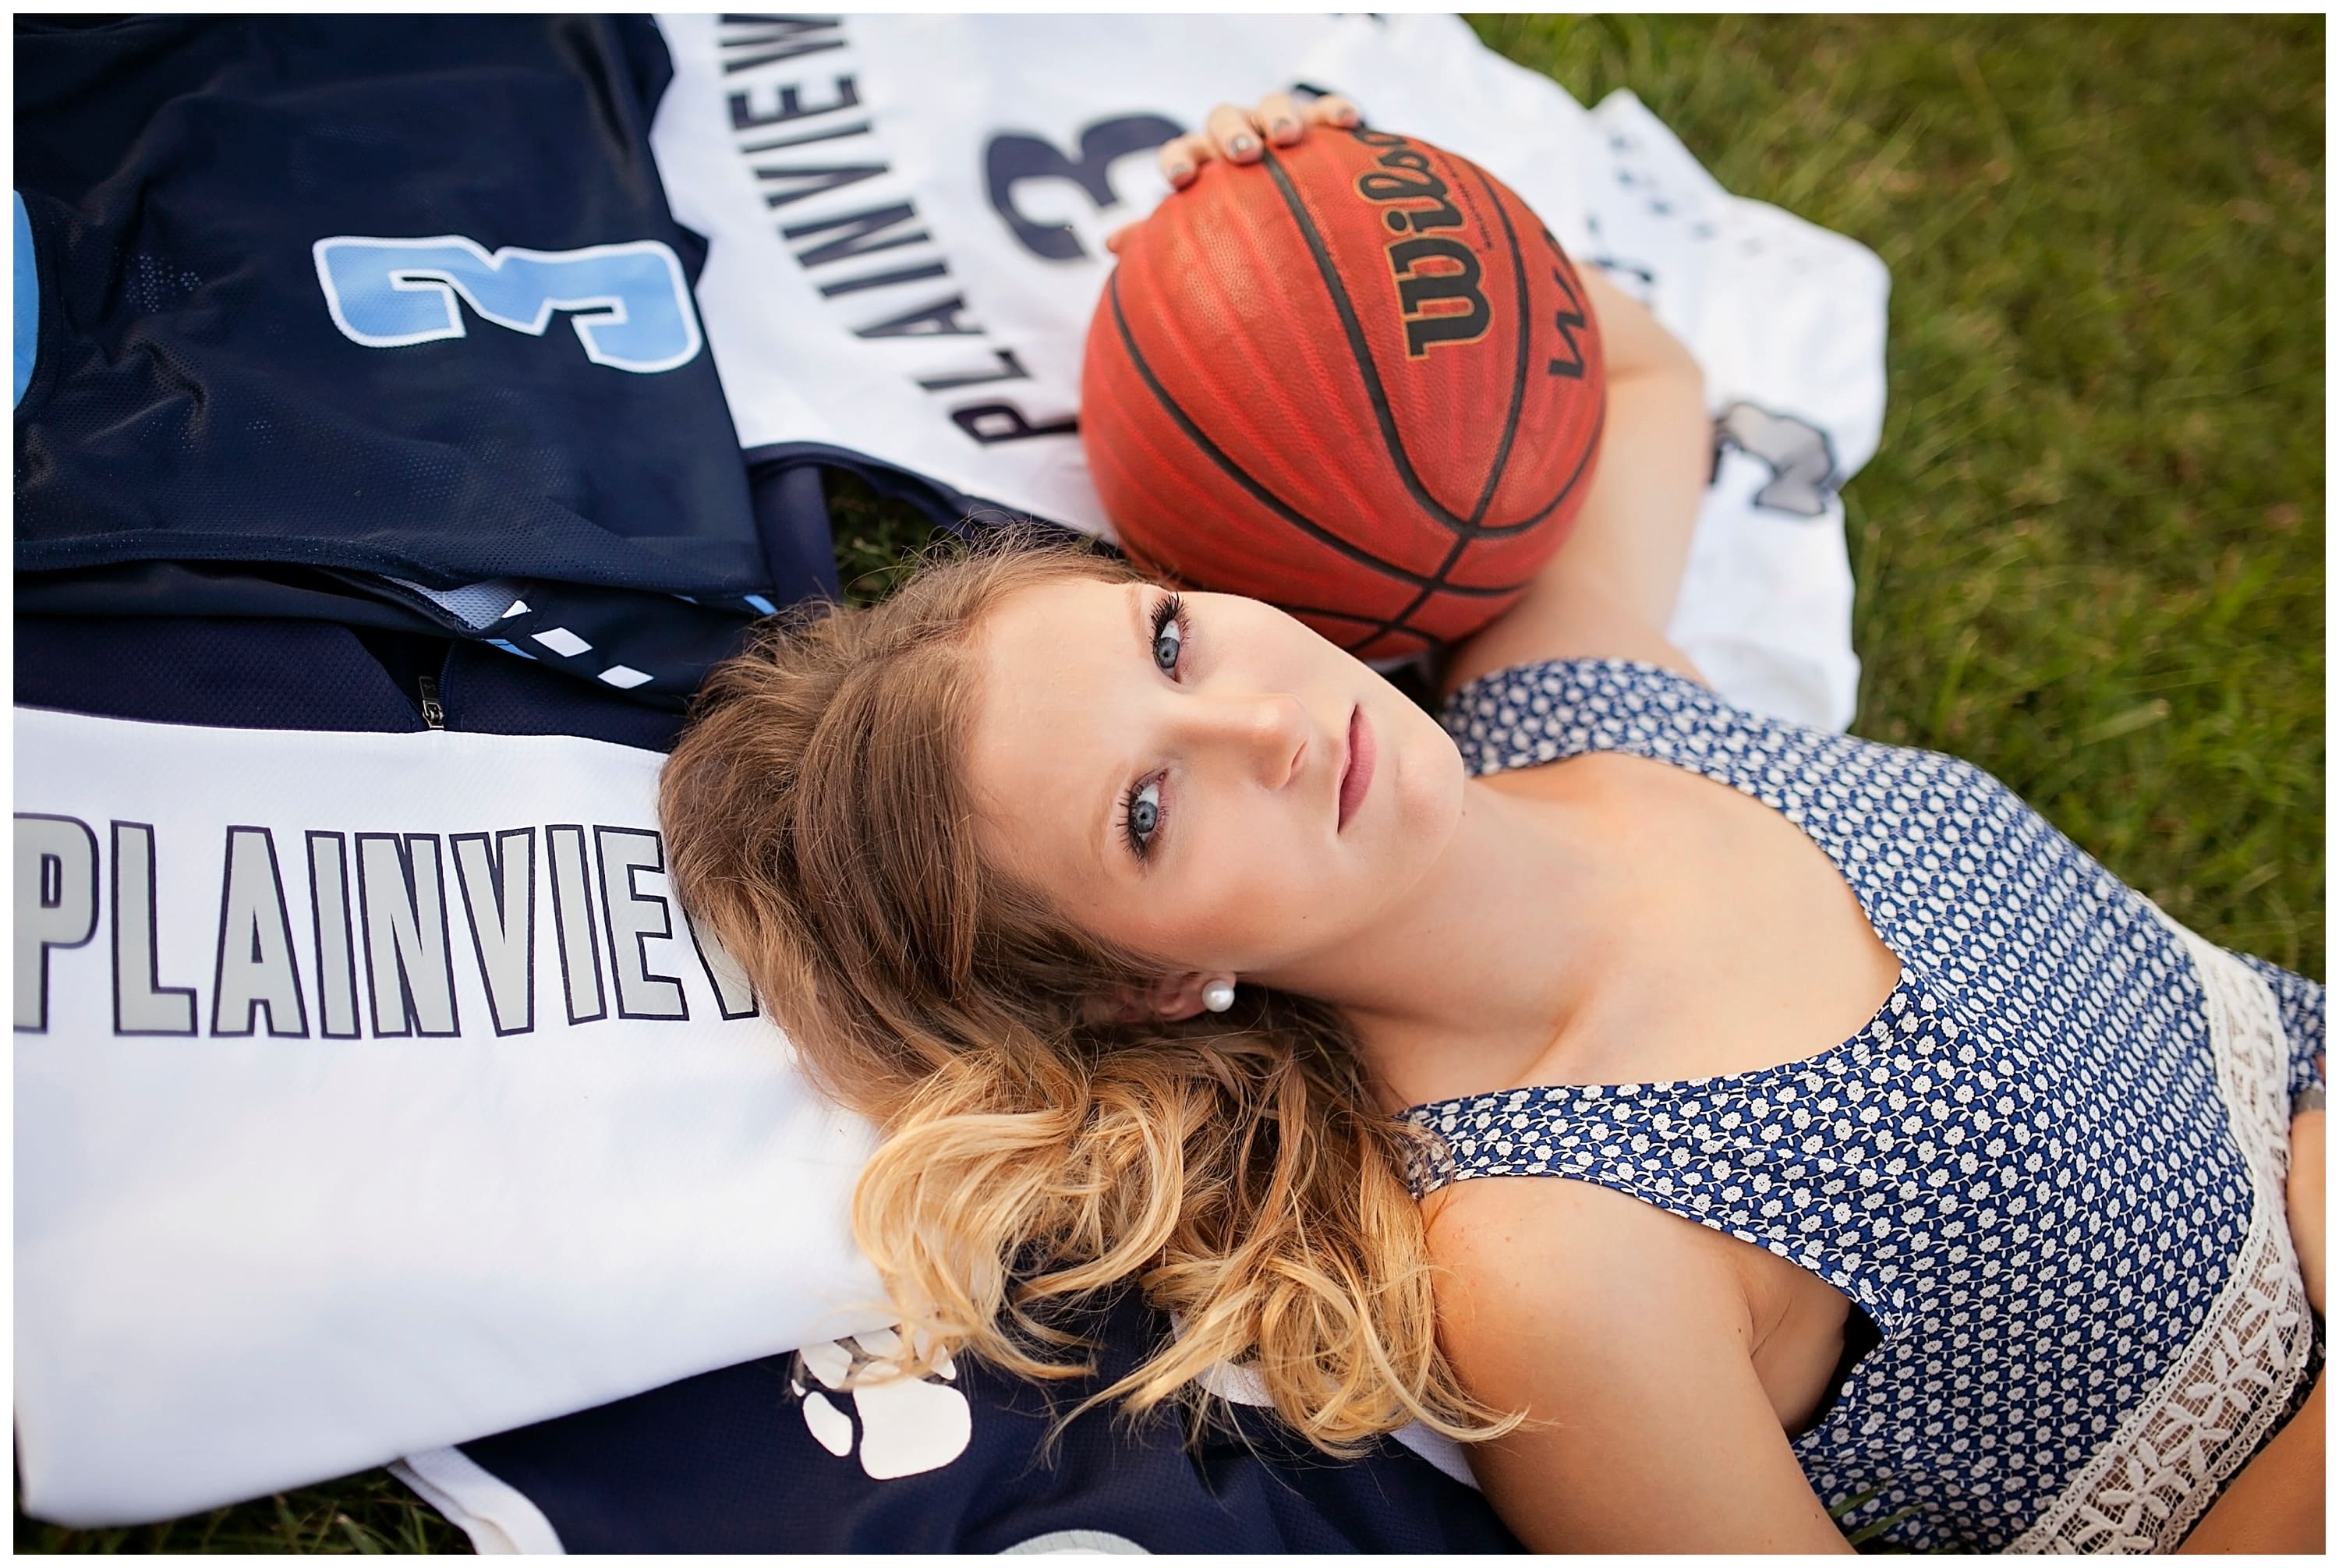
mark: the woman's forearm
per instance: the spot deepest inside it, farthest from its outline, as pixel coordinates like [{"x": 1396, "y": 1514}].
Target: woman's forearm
[
  {"x": 1630, "y": 539},
  {"x": 1632, "y": 536},
  {"x": 2275, "y": 1504}
]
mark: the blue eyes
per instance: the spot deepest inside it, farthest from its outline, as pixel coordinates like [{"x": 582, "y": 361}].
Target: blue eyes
[
  {"x": 1144, "y": 814},
  {"x": 1168, "y": 632},
  {"x": 1140, "y": 808}
]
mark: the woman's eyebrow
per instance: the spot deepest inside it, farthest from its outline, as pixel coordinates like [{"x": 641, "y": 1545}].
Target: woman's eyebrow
[{"x": 1137, "y": 619}]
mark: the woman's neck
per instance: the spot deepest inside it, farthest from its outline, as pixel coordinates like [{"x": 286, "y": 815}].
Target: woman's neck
[{"x": 1479, "y": 966}]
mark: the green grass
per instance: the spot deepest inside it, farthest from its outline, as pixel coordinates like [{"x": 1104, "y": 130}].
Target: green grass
[
  {"x": 368, "y": 1513},
  {"x": 2090, "y": 548}
]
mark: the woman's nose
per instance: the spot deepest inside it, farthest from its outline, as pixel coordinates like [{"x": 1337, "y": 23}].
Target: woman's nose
[{"x": 1266, "y": 734}]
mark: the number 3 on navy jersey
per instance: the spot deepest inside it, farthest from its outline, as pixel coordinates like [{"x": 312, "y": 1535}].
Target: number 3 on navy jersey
[{"x": 630, "y": 304}]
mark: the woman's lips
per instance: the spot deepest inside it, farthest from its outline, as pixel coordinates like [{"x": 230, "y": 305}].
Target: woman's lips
[{"x": 1357, "y": 776}]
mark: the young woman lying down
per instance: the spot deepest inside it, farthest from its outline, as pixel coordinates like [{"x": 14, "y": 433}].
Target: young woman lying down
[{"x": 1706, "y": 1119}]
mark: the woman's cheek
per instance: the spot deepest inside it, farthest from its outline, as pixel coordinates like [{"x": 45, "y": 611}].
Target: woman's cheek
[
  {"x": 1277, "y": 898},
  {"x": 1238, "y": 891}
]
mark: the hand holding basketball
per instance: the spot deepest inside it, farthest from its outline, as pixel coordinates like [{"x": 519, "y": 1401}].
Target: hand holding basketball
[{"x": 1241, "y": 135}]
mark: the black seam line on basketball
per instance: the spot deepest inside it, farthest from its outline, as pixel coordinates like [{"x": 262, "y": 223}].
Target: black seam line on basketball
[
  {"x": 1358, "y": 644},
  {"x": 1519, "y": 381},
  {"x": 1375, "y": 627},
  {"x": 1591, "y": 450},
  {"x": 1402, "y": 620},
  {"x": 1599, "y": 423},
  {"x": 1362, "y": 353},
  {"x": 1250, "y": 486},
  {"x": 1423, "y": 643}
]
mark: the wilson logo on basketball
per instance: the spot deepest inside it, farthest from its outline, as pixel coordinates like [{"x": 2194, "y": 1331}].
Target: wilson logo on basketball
[
  {"x": 1569, "y": 318},
  {"x": 1437, "y": 277}
]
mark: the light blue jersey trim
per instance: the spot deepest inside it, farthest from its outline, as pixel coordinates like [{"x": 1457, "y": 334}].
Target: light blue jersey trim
[{"x": 28, "y": 303}]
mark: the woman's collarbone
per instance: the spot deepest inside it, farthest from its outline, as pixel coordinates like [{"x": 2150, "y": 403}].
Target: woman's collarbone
[{"x": 1739, "y": 945}]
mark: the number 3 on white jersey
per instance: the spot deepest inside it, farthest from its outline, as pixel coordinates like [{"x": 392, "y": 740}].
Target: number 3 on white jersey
[{"x": 629, "y": 304}]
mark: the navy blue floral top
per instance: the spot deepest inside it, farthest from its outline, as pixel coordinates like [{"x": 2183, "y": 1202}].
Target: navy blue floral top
[{"x": 2041, "y": 1169}]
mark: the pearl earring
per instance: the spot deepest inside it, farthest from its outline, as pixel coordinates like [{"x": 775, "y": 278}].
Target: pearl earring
[{"x": 1219, "y": 995}]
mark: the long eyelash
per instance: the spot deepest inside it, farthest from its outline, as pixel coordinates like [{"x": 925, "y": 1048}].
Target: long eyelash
[
  {"x": 1139, "y": 847},
  {"x": 1173, "y": 609}
]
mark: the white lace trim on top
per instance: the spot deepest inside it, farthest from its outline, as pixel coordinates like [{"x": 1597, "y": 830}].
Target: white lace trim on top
[{"x": 2149, "y": 1483}]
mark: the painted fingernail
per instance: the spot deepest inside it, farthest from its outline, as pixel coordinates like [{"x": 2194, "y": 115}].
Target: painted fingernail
[
  {"x": 1243, "y": 146},
  {"x": 1283, "y": 129},
  {"x": 1180, "y": 173},
  {"x": 1345, "y": 117}
]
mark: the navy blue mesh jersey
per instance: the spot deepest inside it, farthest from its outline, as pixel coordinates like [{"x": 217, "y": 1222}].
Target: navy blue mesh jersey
[
  {"x": 772, "y": 1456},
  {"x": 381, "y": 320}
]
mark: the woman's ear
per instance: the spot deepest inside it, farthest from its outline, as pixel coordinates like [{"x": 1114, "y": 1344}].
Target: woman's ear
[
  {"x": 1180, "y": 996},
  {"x": 1168, "y": 1000}
]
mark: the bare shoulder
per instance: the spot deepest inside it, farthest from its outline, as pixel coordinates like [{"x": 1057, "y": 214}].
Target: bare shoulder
[
  {"x": 1625, "y": 1335},
  {"x": 1556, "y": 1285},
  {"x": 1552, "y": 1245}
]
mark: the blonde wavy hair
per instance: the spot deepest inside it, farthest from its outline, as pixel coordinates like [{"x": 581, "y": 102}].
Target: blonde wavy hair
[{"x": 1039, "y": 1147}]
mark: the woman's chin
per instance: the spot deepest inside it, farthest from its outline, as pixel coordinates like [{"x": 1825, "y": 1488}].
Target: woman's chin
[{"x": 1413, "y": 807}]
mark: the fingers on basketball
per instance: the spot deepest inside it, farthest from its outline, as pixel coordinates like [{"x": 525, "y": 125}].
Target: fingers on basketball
[
  {"x": 1330, "y": 108},
  {"x": 1234, "y": 133},
  {"x": 1242, "y": 135}
]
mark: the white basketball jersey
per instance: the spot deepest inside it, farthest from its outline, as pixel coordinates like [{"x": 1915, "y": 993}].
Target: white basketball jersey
[{"x": 907, "y": 218}]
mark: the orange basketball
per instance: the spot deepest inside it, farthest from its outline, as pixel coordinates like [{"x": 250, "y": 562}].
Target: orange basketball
[{"x": 1359, "y": 381}]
